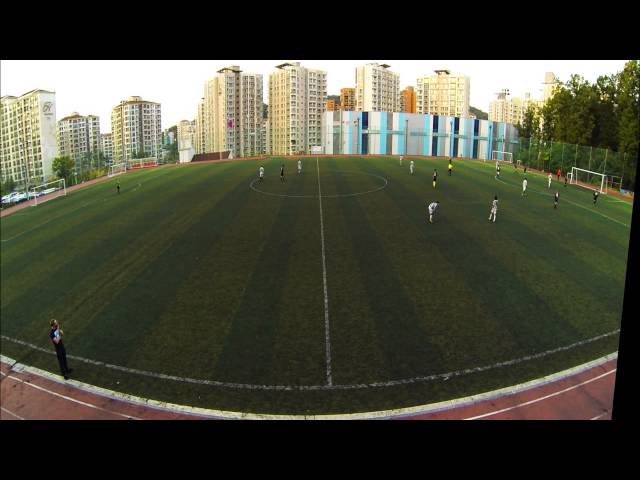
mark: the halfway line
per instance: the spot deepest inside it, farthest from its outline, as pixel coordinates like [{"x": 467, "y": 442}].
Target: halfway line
[{"x": 324, "y": 278}]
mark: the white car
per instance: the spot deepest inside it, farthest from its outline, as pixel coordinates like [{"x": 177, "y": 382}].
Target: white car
[
  {"x": 10, "y": 198},
  {"x": 19, "y": 197}
]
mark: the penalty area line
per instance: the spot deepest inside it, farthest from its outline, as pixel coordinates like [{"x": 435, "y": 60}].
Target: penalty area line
[{"x": 324, "y": 279}]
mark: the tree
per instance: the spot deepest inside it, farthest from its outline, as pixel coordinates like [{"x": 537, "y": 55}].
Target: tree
[
  {"x": 63, "y": 167},
  {"x": 629, "y": 118},
  {"x": 480, "y": 115},
  {"x": 530, "y": 126},
  {"x": 140, "y": 154},
  {"x": 8, "y": 186}
]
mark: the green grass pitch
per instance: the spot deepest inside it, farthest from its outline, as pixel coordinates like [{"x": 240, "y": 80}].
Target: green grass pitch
[{"x": 199, "y": 285}]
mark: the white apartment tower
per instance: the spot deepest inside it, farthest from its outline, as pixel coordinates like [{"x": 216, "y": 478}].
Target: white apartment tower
[
  {"x": 443, "y": 94},
  {"x": 107, "y": 146},
  {"x": 233, "y": 112},
  {"x": 297, "y": 97},
  {"x": 28, "y": 136},
  {"x": 79, "y": 137},
  {"x": 136, "y": 128},
  {"x": 199, "y": 136},
  {"x": 377, "y": 89},
  {"x": 186, "y": 134},
  {"x": 511, "y": 110}
]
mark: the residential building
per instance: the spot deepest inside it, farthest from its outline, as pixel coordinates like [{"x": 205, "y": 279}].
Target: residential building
[
  {"x": 377, "y": 88},
  {"x": 297, "y": 97},
  {"x": 200, "y": 144},
  {"x": 550, "y": 83},
  {"x": 332, "y": 106},
  {"x": 106, "y": 141},
  {"x": 28, "y": 142},
  {"x": 79, "y": 138},
  {"x": 136, "y": 129},
  {"x": 233, "y": 112},
  {"x": 348, "y": 99},
  {"x": 186, "y": 134},
  {"x": 443, "y": 94},
  {"x": 408, "y": 100},
  {"x": 511, "y": 110}
]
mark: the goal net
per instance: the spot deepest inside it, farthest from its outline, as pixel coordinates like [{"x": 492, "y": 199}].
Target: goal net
[
  {"x": 47, "y": 191},
  {"x": 142, "y": 163},
  {"x": 588, "y": 179},
  {"x": 117, "y": 169},
  {"x": 499, "y": 156}
]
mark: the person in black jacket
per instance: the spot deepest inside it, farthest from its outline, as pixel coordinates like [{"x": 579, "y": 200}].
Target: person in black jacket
[{"x": 56, "y": 337}]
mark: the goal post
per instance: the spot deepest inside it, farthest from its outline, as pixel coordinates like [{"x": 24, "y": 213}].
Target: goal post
[
  {"x": 135, "y": 163},
  {"x": 47, "y": 191},
  {"x": 588, "y": 179},
  {"x": 117, "y": 169},
  {"x": 500, "y": 156}
]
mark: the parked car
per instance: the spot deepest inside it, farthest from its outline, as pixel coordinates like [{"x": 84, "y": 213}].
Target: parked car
[
  {"x": 20, "y": 197},
  {"x": 10, "y": 198}
]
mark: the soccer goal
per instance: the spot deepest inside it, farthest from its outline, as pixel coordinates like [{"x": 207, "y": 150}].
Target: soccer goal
[
  {"x": 142, "y": 163},
  {"x": 588, "y": 179},
  {"x": 47, "y": 191},
  {"x": 500, "y": 156},
  {"x": 614, "y": 182},
  {"x": 117, "y": 169}
]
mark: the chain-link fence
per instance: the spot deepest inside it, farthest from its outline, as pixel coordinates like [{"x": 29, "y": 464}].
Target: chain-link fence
[{"x": 551, "y": 156}]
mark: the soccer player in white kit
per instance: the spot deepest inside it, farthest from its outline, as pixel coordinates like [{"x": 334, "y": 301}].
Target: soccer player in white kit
[
  {"x": 549, "y": 180},
  {"x": 299, "y": 166},
  {"x": 494, "y": 209},
  {"x": 432, "y": 210},
  {"x": 524, "y": 187},
  {"x": 261, "y": 172},
  {"x": 411, "y": 167},
  {"x": 401, "y": 157}
]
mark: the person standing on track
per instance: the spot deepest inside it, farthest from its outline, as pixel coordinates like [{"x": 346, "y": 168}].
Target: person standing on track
[
  {"x": 450, "y": 167},
  {"x": 299, "y": 166},
  {"x": 433, "y": 207},
  {"x": 565, "y": 180},
  {"x": 118, "y": 186},
  {"x": 497, "y": 170},
  {"x": 261, "y": 173},
  {"x": 282, "y": 173},
  {"x": 435, "y": 178},
  {"x": 56, "y": 337},
  {"x": 556, "y": 198},
  {"x": 524, "y": 187},
  {"x": 401, "y": 160},
  {"x": 558, "y": 174},
  {"x": 595, "y": 197},
  {"x": 549, "y": 177}
]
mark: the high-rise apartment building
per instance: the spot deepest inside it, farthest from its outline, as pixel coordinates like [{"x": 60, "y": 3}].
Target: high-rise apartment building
[
  {"x": 550, "y": 83},
  {"x": 28, "y": 136},
  {"x": 408, "y": 100},
  {"x": 136, "y": 129},
  {"x": 511, "y": 110},
  {"x": 199, "y": 139},
  {"x": 186, "y": 134},
  {"x": 79, "y": 137},
  {"x": 443, "y": 94},
  {"x": 297, "y": 97},
  {"x": 377, "y": 89},
  {"x": 332, "y": 106},
  {"x": 106, "y": 141},
  {"x": 348, "y": 99},
  {"x": 233, "y": 112}
]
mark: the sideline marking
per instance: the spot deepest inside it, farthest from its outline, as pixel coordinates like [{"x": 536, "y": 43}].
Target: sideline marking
[
  {"x": 11, "y": 413},
  {"x": 384, "y": 414},
  {"x": 324, "y": 278},
  {"x": 542, "y": 398},
  {"x": 597, "y": 417},
  {"x": 391, "y": 383},
  {"x": 573, "y": 203},
  {"x": 128, "y": 417}
]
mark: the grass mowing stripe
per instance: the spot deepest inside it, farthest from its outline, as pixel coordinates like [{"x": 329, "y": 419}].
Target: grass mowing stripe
[
  {"x": 482, "y": 270},
  {"x": 139, "y": 298},
  {"x": 407, "y": 349},
  {"x": 247, "y": 356},
  {"x": 81, "y": 279}
]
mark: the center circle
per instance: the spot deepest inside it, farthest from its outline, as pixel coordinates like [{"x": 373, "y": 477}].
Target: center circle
[{"x": 339, "y": 195}]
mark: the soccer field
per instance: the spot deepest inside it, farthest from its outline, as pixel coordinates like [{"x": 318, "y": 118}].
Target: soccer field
[{"x": 327, "y": 293}]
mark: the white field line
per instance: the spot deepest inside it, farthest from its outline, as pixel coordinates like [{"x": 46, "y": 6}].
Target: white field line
[
  {"x": 51, "y": 392},
  {"x": 11, "y": 413},
  {"x": 60, "y": 216},
  {"x": 385, "y": 414},
  {"x": 324, "y": 279},
  {"x": 391, "y": 383},
  {"x": 599, "y": 416},
  {"x": 565, "y": 200},
  {"x": 496, "y": 412}
]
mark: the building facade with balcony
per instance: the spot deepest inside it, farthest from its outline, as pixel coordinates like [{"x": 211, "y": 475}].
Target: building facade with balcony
[
  {"x": 78, "y": 137},
  {"x": 297, "y": 98},
  {"x": 106, "y": 144},
  {"x": 408, "y": 100},
  {"x": 443, "y": 94},
  {"x": 28, "y": 143},
  {"x": 348, "y": 99},
  {"x": 377, "y": 88},
  {"x": 136, "y": 129}
]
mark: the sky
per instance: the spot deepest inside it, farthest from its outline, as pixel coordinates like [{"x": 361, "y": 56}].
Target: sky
[{"x": 96, "y": 86}]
